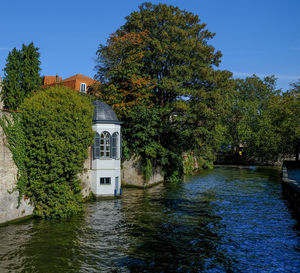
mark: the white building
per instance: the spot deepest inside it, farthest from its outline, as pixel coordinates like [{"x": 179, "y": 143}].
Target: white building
[{"x": 106, "y": 152}]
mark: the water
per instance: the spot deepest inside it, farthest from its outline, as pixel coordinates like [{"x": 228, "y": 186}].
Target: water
[{"x": 225, "y": 220}]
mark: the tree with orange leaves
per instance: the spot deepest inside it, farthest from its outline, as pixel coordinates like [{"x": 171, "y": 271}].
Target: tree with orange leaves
[
  {"x": 158, "y": 72},
  {"x": 119, "y": 70}
]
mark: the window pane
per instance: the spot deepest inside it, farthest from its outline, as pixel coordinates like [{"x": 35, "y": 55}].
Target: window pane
[
  {"x": 82, "y": 87},
  {"x": 105, "y": 180}
]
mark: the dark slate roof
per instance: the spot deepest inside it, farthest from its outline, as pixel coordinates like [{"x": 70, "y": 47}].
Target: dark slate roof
[{"x": 103, "y": 113}]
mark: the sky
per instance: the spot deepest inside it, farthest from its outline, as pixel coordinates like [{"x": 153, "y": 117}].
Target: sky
[{"x": 259, "y": 37}]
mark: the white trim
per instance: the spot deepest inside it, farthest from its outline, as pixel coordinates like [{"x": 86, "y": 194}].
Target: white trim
[{"x": 83, "y": 90}]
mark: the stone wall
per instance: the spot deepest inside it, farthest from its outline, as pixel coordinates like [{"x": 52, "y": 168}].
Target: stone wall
[
  {"x": 291, "y": 190},
  {"x": 132, "y": 174},
  {"x": 9, "y": 209},
  {"x": 86, "y": 176},
  {"x": 8, "y": 173}
]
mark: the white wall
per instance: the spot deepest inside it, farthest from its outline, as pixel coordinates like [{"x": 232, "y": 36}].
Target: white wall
[{"x": 106, "y": 167}]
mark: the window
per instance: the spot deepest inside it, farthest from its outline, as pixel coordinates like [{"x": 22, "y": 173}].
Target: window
[
  {"x": 114, "y": 145},
  {"x": 83, "y": 87},
  {"x": 105, "y": 145},
  {"x": 96, "y": 147},
  {"x": 105, "y": 181}
]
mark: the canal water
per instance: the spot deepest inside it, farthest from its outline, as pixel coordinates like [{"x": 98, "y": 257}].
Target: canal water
[{"x": 224, "y": 220}]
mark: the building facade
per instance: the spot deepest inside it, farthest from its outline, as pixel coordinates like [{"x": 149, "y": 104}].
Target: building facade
[
  {"x": 106, "y": 152},
  {"x": 77, "y": 82}
]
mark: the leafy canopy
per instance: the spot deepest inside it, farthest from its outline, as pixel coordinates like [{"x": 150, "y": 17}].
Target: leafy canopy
[
  {"x": 21, "y": 75},
  {"x": 149, "y": 68},
  {"x": 286, "y": 117},
  {"x": 57, "y": 123}
]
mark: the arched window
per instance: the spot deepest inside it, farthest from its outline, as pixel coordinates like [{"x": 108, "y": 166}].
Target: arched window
[
  {"x": 114, "y": 145},
  {"x": 105, "y": 144},
  {"x": 96, "y": 147}
]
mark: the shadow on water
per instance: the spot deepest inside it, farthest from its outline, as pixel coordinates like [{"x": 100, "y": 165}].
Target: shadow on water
[
  {"x": 40, "y": 246},
  {"x": 224, "y": 220},
  {"x": 175, "y": 233}
]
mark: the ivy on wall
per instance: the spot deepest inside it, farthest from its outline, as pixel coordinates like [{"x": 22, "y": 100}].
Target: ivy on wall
[
  {"x": 49, "y": 138},
  {"x": 57, "y": 123},
  {"x": 12, "y": 127}
]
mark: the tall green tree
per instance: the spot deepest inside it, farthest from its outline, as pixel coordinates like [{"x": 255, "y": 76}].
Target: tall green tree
[
  {"x": 167, "y": 50},
  {"x": 251, "y": 122},
  {"x": 21, "y": 75},
  {"x": 11, "y": 85},
  {"x": 286, "y": 117}
]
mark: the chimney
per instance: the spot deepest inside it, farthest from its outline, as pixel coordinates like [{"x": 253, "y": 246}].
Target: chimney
[{"x": 57, "y": 78}]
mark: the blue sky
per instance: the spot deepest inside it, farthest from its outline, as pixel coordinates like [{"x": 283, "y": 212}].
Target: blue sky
[{"x": 259, "y": 37}]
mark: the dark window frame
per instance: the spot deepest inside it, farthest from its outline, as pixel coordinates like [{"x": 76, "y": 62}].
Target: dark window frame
[
  {"x": 105, "y": 145},
  {"x": 115, "y": 145},
  {"x": 96, "y": 146},
  {"x": 105, "y": 180}
]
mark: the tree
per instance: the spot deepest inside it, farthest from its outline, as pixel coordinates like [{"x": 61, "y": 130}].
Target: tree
[
  {"x": 11, "y": 86},
  {"x": 122, "y": 83},
  {"x": 252, "y": 119},
  {"x": 57, "y": 124},
  {"x": 178, "y": 57},
  {"x": 21, "y": 75},
  {"x": 166, "y": 51},
  {"x": 286, "y": 117}
]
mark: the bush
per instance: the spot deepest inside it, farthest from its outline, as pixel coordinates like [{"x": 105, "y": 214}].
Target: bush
[{"x": 57, "y": 123}]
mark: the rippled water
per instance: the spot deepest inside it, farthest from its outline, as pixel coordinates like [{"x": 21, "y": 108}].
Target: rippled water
[{"x": 225, "y": 220}]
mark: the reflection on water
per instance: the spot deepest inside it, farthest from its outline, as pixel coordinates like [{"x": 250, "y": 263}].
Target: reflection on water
[{"x": 225, "y": 220}]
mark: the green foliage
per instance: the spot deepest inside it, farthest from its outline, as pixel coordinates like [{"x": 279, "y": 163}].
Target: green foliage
[
  {"x": 161, "y": 59},
  {"x": 188, "y": 165},
  {"x": 178, "y": 55},
  {"x": 285, "y": 114},
  {"x": 57, "y": 123},
  {"x": 147, "y": 169},
  {"x": 204, "y": 164},
  {"x": 252, "y": 120},
  {"x": 13, "y": 130},
  {"x": 21, "y": 75}
]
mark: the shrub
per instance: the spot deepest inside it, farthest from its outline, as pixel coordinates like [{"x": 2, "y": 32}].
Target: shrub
[{"x": 57, "y": 123}]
